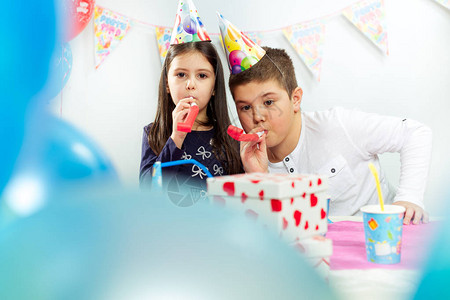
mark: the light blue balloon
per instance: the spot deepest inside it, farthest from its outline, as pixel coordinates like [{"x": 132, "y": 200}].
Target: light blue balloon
[
  {"x": 54, "y": 156},
  {"x": 27, "y": 31},
  {"x": 60, "y": 153},
  {"x": 436, "y": 276},
  {"x": 125, "y": 245}
]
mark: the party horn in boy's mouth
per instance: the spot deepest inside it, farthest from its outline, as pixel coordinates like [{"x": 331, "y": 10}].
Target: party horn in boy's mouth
[
  {"x": 192, "y": 114},
  {"x": 239, "y": 135},
  {"x": 377, "y": 181}
]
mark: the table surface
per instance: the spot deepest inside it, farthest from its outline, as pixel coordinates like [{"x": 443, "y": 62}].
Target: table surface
[{"x": 376, "y": 283}]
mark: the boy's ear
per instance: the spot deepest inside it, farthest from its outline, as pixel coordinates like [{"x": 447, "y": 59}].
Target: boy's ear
[{"x": 297, "y": 95}]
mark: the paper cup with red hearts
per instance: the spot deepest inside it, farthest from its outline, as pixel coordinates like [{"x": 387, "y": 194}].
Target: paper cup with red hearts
[{"x": 383, "y": 233}]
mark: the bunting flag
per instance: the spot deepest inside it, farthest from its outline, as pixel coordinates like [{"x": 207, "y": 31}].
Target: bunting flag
[
  {"x": 308, "y": 40},
  {"x": 255, "y": 36},
  {"x": 109, "y": 28},
  {"x": 368, "y": 16},
  {"x": 445, "y": 3},
  {"x": 163, "y": 35}
]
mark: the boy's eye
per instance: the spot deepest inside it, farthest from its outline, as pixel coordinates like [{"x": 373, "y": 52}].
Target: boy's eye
[
  {"x": 268, "y": 102},
  {"x": 181, "y": 75},
  {"x": 245, "y": 107}
]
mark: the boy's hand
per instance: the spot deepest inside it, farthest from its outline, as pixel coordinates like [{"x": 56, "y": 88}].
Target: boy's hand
[
  {"x": 179, "y": 115},
  {"x": 413, "y": 212},
  {"x": 254, "y": 154}
]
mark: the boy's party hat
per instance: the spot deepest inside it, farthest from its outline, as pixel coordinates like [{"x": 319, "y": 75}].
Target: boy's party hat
[
  {"x": 241, "y": 52},
  {"x": 188, "y": 26}
]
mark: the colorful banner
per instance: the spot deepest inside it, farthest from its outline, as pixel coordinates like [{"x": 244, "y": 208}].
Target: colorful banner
[
  {"x": 445, "y": 3},
  {"x": 368, "y": 16},
  {"x": 163, "y": 35},
  {"x": 308, "y": 40},
  {"x": 109, "y": 28}
]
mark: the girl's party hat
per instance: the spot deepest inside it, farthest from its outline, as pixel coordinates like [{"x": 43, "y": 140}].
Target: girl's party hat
[
  {"x": 188, "y": 26},
  {"x": 241, "y": 52}
]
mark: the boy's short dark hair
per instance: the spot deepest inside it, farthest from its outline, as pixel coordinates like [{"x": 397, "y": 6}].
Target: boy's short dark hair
[{"x": 275, "y": 65}]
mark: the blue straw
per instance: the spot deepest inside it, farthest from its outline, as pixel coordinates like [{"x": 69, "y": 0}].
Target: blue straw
[
  {"x": 184, "y": 162},
  {"x": 157, "y": 174}
]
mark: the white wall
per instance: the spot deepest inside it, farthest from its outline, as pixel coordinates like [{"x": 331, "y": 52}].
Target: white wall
[{"x": 113, "y": 103}]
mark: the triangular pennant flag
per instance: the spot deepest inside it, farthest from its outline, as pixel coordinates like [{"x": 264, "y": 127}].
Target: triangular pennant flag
[
  {"x": 368, "y": 16},
  {"x": 308, "y": 40},
  {"x": 109, "y": 28},
  {"x": 445, "y": 3},
  {"x": 255, "y": 36},
  {"x": 163, "y": 35}
]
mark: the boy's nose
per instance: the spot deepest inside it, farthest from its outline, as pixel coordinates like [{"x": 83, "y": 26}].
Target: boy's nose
[{"x": 258, "y": 115}]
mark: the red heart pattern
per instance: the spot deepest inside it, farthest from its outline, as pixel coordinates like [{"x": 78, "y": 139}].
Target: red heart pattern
[
  {"x": 228, "y": 188},
  {"x": 323, "y": 214},
  {"x": 243, "y": 197},
  {"x": 313, "y": 199},
  {"x": 261, "y": 195},
  {"x": 297, "y": 217},
  {"x": 276, "y": 205},
  {"x": 285, "y": 223}
]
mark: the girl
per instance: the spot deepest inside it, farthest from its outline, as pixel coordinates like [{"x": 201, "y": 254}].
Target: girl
[{"x": 192, "y": 73}]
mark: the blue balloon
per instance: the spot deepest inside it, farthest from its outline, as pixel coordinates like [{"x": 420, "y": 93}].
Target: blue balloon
[
  {"x": 28, "y": 33},
  {"x": 59, "y": 72},
  {"x": 123, "y": 245},
  {"x": 436, "y": 276},
  {"x": 62, "y": 153},
  {"x": 54, "y": 156}
]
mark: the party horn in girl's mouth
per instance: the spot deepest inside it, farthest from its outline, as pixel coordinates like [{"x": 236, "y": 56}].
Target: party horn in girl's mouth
[
  {"x": 239, "y": 135},
  {"x": 192, "y": 114}
]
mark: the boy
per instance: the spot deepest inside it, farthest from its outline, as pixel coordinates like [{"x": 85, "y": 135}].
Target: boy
[{"x": 339, "y": 143}]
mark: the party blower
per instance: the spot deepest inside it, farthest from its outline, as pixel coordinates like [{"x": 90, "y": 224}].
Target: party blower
[
  {"x": 192, "y": 114},
  {"x": 239, "y": 135}
]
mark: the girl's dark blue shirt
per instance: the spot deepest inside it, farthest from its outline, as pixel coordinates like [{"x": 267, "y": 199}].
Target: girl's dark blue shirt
[{"x": 197, "y": 145}]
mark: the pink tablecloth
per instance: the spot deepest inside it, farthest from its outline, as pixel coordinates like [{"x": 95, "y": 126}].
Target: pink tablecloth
[{"x": 349, "y": 249}]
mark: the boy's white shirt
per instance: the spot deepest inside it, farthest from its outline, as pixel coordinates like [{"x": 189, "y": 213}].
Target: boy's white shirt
[{"x": 339, "y": 143}]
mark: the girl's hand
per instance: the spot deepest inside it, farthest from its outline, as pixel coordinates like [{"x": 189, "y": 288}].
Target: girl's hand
[
  {"x": 254, "y": 154},
  {"x": 179, "y": 115}
]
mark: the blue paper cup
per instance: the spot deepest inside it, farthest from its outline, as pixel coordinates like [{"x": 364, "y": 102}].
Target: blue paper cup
[{"x": 383, "y": 233}]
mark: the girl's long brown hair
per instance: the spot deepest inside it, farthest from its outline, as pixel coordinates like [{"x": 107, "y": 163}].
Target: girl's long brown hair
[{"x": 225, "y": 148}]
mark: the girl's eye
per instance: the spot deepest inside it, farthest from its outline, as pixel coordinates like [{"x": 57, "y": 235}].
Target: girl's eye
[
  {"x": 181, "y": 75},
  {"x": 268, "y": 102},
  {"x": 245, "y": 107},
  {"x": 203, "y": 76}
]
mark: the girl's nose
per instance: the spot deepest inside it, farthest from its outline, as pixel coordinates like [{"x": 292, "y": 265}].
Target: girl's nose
[{"x": 190, "y": 84}]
